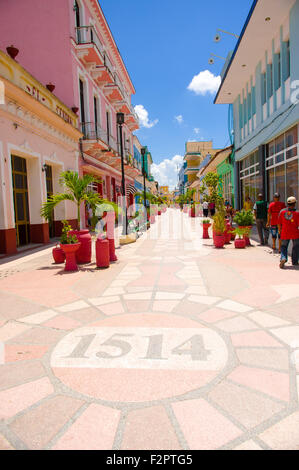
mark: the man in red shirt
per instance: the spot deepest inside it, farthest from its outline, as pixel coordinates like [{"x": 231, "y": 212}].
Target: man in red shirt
[
  {"x": 288, "y": 226},
  {"x": 273, "y": 212}
]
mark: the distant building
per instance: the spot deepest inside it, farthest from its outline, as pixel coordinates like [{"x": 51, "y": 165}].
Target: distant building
[
  {"x": 261, "y": 82},
  {"x": 196, "y": 152}
]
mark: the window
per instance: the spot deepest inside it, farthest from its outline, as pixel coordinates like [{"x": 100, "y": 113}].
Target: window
[
  {"x": 82, "y": 103},
  {"x": 288, "y": 60},
  {"x": 278, "y": 71},
  {"x": 249, "y": 98},
  {"x": 253, "y": 101},
  {"x": 270, "y": 80},
  {"x": 264, "y": 88},
  {"x": 96, "y": 113}
]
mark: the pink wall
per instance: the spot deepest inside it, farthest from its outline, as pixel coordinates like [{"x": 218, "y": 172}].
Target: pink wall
[{"x": 41, "y": 32}]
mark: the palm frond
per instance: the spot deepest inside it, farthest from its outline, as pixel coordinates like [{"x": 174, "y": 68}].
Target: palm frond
[{"x": 48, "y": 207}]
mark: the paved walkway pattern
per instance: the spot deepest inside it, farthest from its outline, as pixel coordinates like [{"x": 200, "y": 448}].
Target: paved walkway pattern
[{"x": 177, "y": 346}]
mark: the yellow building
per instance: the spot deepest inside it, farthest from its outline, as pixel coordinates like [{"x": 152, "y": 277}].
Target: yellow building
[{"x": 196, "y": 152}]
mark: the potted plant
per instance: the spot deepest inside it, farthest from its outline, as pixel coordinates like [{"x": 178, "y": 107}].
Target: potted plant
[
  {"x": 206, "y": 223},
  {"x": 245, "y": 219},
  {"x": 69, "y": 244},
  {"x": 76, "y": 191},
  {"x": 219, "y": 229},
  {"x": 241, "y": 233},
  {"x": 58, "y": 254}
]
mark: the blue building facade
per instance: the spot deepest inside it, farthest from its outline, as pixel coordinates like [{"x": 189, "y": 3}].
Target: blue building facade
[
  {"x": 182, "y": 178},
  {"x": 261, "y": 82}
]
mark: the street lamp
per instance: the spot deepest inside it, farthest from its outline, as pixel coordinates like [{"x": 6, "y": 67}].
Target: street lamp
[
  {"x": 143, "y": 171},
  {"x": 120, "y": 119}
]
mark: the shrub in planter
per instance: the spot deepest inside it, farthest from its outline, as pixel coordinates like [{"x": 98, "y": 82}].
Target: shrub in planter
[
  {"x": 206, "y": 223},
  {"x": 69, "y": 244},
  {"x": 219, "y": 229},
  {"x": 245, "y": 219},
  {"x": 241, "y": 233}
]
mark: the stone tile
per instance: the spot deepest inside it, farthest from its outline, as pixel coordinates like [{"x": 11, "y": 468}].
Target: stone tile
[
  {"x": 289, "y": 335},
  {"x": 284, "y": 435},
  {"x": 255, "y": 338},
  {"x": 138, "y": 296},
  {"x": 39, "y": 425},
  {"x": 203, "y": 299},
  {"x": 248, "y": 445},
  {"x": 169, "y": 296},
  {"x": 164, "y": 305},
  {"x": 18, "y": 373},
  {"x": 275, "y": 384},
  {"x": 102, "y": 301},
  {"x": 197, "y": 290},
  {"x": 80, "y": 304},
  {"x": 94, "y": 430},
  {"x": 112, "y": 309},
  {"x": 236, "y": 324},
  {"x": 4, "y": 444},
  {"x": 38, "y": 335},
  {"x": 215, "y": 314},
  {"x": 286, "y": 292},
  {"x": 87, "y": 315},
  {"x": 203, "y": 426},
  {"x": 13, "y": 307},
  {"x": 266, "y": 358},
  {"x": 40, "y": 317},
  {"x": 141, "y": 430},
  {"x": 119, "y": 283},
  {"x": 113, "y": 291},
  {"x": 266, "y": 320},
  {"x": 20, "y": 352},
  {"x": 137, "y": 305},
  {"x": 62, "y": 322},
  {"x": 11, "y": 330},
  {"x": 234, "y": 306},
  {"x": 246, "y": 406},
  {"x": 19, "y": 398}
]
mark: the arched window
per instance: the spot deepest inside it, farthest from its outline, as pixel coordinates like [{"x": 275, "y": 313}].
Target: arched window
[{"x": 77, "y": 14}]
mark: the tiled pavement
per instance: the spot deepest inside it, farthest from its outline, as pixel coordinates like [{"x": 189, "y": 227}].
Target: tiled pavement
[{"x": 177, "y": 346}]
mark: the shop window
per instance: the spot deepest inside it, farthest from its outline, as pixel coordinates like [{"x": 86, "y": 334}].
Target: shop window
[
  {"x": 280, "y": 183},
  {"x": 271, "y": 183},
  {"x": 292, "y": 179}
]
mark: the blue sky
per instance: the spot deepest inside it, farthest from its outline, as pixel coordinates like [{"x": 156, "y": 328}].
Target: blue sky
[{"x": 164, "y": 44}]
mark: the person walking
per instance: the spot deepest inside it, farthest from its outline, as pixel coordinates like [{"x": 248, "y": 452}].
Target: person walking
[
  {"x": 261, "y": 212},
  {"x": 288, "y": 226},
  {"x": 205, "y": 208},
  {"x": 248, "y": 204},
  {"x": 273, "y": 212},
  {"x": 212, "y": 208}
]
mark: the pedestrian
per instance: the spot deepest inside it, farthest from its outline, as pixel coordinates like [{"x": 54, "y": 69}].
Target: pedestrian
[
  {"x": 212, "y": 208},
  {"x": 273, "y": 212},
  {"x": 248, "y": 204},
  {"x": 205, "y": 208},
  {"x": 261, "y": 213},
  {"x": 288, "y": 226}
]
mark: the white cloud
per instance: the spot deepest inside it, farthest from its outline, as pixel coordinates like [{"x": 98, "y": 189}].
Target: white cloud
[
  {"x": 166, "y": 172},
  {"x": 196, "y": 130},
  {"x": 142, "y": 114},
  {"x": 205, "y": 82},
  {"x": 179, "y": 118}
]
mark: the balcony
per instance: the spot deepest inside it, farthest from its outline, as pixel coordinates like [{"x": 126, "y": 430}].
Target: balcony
[
  {"x": 89, "y": 48},
  {"x": 96, "y": 139},
  {"x": 116, "y": 93},
  {"x": 103, "y": 74},
  {"x": 132, "y": 120}
]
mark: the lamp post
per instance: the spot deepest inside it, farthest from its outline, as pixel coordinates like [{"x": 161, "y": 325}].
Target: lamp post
[
  {"x": 120, "y": 119},
  {"x": 144, "y": 174}
]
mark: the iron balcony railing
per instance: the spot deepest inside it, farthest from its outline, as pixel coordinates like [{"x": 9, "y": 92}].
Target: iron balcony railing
[
  {"x": 88, "y": 35},
  {"x": 91, "y": 131}
]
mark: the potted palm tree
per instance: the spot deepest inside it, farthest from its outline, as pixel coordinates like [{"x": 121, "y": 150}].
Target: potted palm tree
[
  {"x": 241, "y": 233},
  {"x": 76, "y": 190},
  {"x": 70, "y": 245},
  {"x": 219, "y": 229}
]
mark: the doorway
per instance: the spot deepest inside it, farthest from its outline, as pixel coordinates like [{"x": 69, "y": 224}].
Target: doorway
[
  {"x": 20, "y": 196},
  {"x": 49, "y": 185}
]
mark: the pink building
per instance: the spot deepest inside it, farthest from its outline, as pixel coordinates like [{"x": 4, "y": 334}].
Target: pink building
[{"x": 69, "y": 44}]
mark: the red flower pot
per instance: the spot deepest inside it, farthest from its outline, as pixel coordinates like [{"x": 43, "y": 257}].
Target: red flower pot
[
  {"x": 240, "y": 243},
  {"x": 50, "y": 87},
  {"x": 58, "y": 255},
  {"x": 12, "y": 51},
  {"x": 246, "y": 238},
  {"x": 205, "y": 231},
  {"x": 159, "y": 212},
  {"x": 102, "y": 253},
  {"x": 219, "y": 240},
  {"x": 70, "y": 256},
  {"x": 83, "y": 255},
  {"x": 192, "y": 212}
]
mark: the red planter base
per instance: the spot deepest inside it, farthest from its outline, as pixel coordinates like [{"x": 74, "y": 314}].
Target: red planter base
[
  {"x": 205, "y": 231},
  {"x": 70, "y": 256},
  {"x": 240, "y": 243},
  {"x": 102, "y": 253},
  {"x": 58, "y": 255},
  {"x": 112, "y": 254},
  {"x": 83, "y": 255},
  {"x": 219, "y": 241}
]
